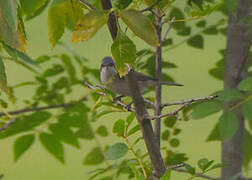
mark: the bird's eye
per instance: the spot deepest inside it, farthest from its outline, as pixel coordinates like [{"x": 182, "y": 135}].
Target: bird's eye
[{"x": 110, "y": 64}]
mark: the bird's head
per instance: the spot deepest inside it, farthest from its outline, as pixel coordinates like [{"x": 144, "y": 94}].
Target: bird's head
[{"x": 107, "y": 69}]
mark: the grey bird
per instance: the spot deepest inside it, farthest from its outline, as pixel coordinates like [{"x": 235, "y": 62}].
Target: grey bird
[{"x": 119, "y": 85}]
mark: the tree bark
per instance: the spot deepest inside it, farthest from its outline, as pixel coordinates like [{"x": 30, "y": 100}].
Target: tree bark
[
  {"x": 236, "y": 68},
  {"x": 141, "y": 112},
  {"x": 158, "y": 99}
]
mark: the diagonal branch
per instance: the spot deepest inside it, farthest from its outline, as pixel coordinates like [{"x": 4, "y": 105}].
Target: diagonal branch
[
  {"x": 6, "y": 126},
  {"x": 168, "y": 29},
  {"x": 197, "y": 174},
  {"x": 151, "y": 6},
  {"x": 190, "y": 101},
  {"x": 90, "y": 6},
  {"x": 34, "y": 109}
]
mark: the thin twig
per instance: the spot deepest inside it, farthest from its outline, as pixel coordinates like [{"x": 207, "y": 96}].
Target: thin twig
[
  {"x": 6, "y": 126},
  {"x": 173, "y": 113},
  {"x": 168, "y": 29},
  {"x": 94, "y": 88},
  {"x": 197, "y": 174},
  {"x": 136, "y": 156},
  {"x": 151, "y": 6},
  {"x": 90, "y": 6},
  {"x": 190, "y": 101},
  {"x": 65, "y": 105}
]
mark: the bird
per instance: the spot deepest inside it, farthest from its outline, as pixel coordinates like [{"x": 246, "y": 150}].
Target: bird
[{"x": 112, "y": 81}]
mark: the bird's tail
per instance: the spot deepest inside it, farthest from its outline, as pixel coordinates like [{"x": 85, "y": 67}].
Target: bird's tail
[{"x": 170, "y": 83}]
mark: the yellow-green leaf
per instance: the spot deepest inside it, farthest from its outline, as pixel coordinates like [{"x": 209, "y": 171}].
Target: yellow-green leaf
[
  {"x": 56, "y": 23},
  {"x": 8, "y": 11},
  {"x": 141, "y": 25},
  {"x": 3, "y": 79},
  {"x": 88, "y": 25},
  {"x": 31, "y": 8},
  {"x": 13, "y": 37},
  {"x": 124, "y": 53},
  {"x": 62, "y": 13}
]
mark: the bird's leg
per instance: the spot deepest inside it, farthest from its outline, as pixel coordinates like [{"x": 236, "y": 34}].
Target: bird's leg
[{"x": 118, "y": 98}]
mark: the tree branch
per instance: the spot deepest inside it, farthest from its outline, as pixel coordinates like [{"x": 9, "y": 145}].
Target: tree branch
[
  {"x": 197, "y": 174},
  {"x": 90, "y": 6},
  {"x": 151, "y": 6},
  {"x": 6, "y": 126},
  {"x": 190, "y": 101},
  {"x": 158, "y": 75},
  {"x": 34, "y": 109},
  {"x": 112, "y": 21},
  {"x": 168, "y": 29}
]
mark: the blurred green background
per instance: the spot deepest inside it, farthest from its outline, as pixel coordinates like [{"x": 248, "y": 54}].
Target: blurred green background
[{"x": 192, "y": 71}]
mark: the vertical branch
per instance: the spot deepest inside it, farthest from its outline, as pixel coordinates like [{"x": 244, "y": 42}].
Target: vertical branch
[
  {"x": 141, "y": 112},
  {"x": 158, "y": 108},
  {"x": 112, "y": 25},
  {"x": 238, "y": 45}
]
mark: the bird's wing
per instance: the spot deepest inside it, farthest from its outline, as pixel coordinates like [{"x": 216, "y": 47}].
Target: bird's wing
[{"x": 142, "y": 77}]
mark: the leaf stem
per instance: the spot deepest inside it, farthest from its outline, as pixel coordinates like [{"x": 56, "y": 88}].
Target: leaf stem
[{"x": 136, "y": 156}]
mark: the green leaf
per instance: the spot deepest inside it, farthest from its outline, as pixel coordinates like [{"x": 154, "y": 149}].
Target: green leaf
[
  {"x": 170, "y": 121},
  {"x": 174, "y": 142},
  {"x": 228, "y": 125},
  {"x": 167, "y": 175},
  {"x": 18, "y": 55},
  {"x": 190, "y": 169},
  {"x": 231, "y": 6},
  {"x": 174, "y": 158},
  {"x": 141, "y": 25},
  {"x": 54, "y": 70},
  {"x": 247, "y": 149},
  {"x": 201, "y": 24},
  {"x": 12, "y": 36},
  {"x": 56, "y": 23},
  {"x": 204, "y": 163},
  {"x": 22, "y": 144},
  {"x": 116, "y": 151},
  {"x": 52, "y": 145},
  {"x": 124, "y": 53},
  {"x": 205, "y": 109},
  {"x": 165, "y": 134},
  {"x": 3, "y": 78},
  {"x": 88, "y": 25},
  {"x": 230, "y": 95},
  {"x": 179, "y": 15},
  {"x": 167, "y": 42},
  {"x": 65, "y": 134},
  {"x": 94, "y": 157},
  {"x": 121, "y": 4},
  {"x": 8, "y": 10},
  {"x": 214, "y": 134},
  {"x": 69, "y": 68},
  {"x": 130, "y": 118},
  {"x": 196, "y": 41},
  {"x": 26, "y": 123},
  {"x": 186, "y": 31},
  {"x": 102, "y": 131},
  {"x": 134, "y": 130},
  {"x": 247, "y": 110},
  {"x": 211, "y": 30},
  {"x": 31, "y": 8},
  {"x": 218, "y": 165},
  {"x": 119, "y": 127},
  {"x": 246, "y": 84}
]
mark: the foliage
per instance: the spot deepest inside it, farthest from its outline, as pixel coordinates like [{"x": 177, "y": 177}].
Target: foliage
[{"x": 59, "y": 75}]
